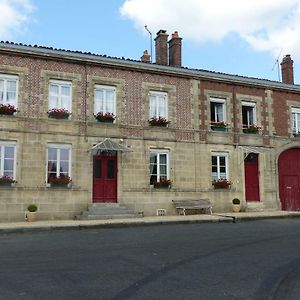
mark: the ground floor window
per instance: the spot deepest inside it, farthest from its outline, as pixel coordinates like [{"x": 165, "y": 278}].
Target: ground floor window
[
  {"x": 8, "y": 159},
  {"x": 59, "y": 161},
  {"x": 159, "y": 166},
  {"x": 219, "y": 166}
]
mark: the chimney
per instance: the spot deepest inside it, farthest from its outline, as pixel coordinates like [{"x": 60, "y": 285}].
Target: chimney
[
  {"x": 145, "y": 57},
  {"x": 175, "y": 50},
  {"x": 161, "y": 47},
  {"x": 287, "y": 70}
]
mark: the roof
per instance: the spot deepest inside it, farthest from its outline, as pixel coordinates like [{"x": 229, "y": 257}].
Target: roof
[
  {"x": 108, "y": 145},
  {"x": 88, "y": 57}
]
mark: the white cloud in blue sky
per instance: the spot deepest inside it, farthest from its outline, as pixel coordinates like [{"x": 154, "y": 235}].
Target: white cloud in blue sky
[
  {"x": 268, "y": 25},
  {"x": 14, "y": 17}
]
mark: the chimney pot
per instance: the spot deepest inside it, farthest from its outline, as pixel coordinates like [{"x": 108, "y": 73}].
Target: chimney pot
[{"x": 287, "y": 70}]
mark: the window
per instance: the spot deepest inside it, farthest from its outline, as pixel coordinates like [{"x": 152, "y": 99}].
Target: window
[
  {"x": 105, "y": 99},
  {"x": 219, "y": 169},
  {"x": 9, "y": 90},
  {"x": 59, "y": 161},
  {"x": 217, "y": 110},
  {"x": 158, "y": 105},
  {"x": 7, "y": 159},
  {"x": 60, "y": 95},
  {"x": 248, "y": 114},
  {"x": 159, "y": 165},
  {"x": 296, "y": 120}
]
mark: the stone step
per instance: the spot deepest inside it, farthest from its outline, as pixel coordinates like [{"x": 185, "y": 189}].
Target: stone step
[
  {"x": 106, "y": 217},
  {"x": 102, "y": 211},
  {"x": 254, "y": 206}
]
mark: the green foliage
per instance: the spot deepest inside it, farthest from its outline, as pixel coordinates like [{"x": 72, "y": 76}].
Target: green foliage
[
  {"x": 32, "y": 208},
  {"x": 236, "y": 201}
]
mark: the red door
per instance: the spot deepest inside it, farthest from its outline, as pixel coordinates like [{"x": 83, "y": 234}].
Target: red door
[
  {"x": 251, "y": 177},
  {"x": 105, "y": 179},
  {"x": 289, "y": 179}
]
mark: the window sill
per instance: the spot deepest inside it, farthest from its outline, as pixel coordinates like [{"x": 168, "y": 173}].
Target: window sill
[
  {"x": 59, "y": 186},
  {"x": 7, "y": 185}
]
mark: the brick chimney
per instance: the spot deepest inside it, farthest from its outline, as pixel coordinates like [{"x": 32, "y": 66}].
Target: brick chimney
[
  {"x": 287, "y": 70},
  {"x": 161, "y": 47},
  {"x": 145, "y": 57},
  {"x": 175, "y": 50}
]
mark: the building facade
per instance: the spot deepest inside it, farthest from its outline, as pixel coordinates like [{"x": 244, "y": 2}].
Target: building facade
[{"x": 78, "y": 128}]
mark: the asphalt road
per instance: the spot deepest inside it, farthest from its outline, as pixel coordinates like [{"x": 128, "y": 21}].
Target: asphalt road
[{"x": 251, "y": 260}]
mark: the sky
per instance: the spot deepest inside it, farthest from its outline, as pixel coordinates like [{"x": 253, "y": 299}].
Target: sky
[{"x": 246, "y": 38}]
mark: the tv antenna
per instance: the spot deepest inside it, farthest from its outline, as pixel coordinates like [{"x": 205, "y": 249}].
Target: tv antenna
[
  {"x": 150, "y": 33},
  {"x": 277, "y": 63}
]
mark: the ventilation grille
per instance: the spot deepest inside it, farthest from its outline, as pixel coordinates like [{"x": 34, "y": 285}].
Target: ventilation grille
[{"x": 161, "y": 212}]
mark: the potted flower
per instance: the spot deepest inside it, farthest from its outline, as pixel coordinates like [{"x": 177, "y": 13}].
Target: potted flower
[
  {"x": 31, "y": 213},
  {"x": 60, "y": 181},
  {"x": 219, "y": 126},
  {"x": 7, "y": 109},
  {"x": 105, "y": 117},
  {"x": 160, "y": 121},
  {"x": 236, "y": 205},
  {"x": 6, "y": 180},
  {"x": 221, "y": 184},
  {"x": 58, "y": 113},
  {"x": 253, "y": 129},
  {"x": 162, "y": 183}
]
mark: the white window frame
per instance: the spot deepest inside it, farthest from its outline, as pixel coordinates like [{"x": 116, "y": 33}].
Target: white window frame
[
  {"x": 218, "y": 155},
  {"x": 157, "y": 96},
  {"x": 295, "y": 111},
  {"x": 59, "y": 146},
  {"x": 220, "y": 101},
  {"x": 159, "y": 152},
  {"x": 4, "y": 144},
  {"x": 60, "y": 84},
  {"x": 6, "y": 78},
  {"x": 253, "y": 106},
  {"x": 104, "y": 88}
]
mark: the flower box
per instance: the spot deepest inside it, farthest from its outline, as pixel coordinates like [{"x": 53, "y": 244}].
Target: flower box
[
  {"x": 7, "y": 109},
  {"x": 163, "y": 183},
  {"x": 61, "y": 181},
  {"x": 58, "y": 113},
  {"x": 221, "y": 184},
  {"x": 105, "y": 117},
  {"x": 219, "y": 126},
  {"x": 6, "y": 180},
  {"x": 252, "y": 129},
  {"x": 160, "y": 121}
]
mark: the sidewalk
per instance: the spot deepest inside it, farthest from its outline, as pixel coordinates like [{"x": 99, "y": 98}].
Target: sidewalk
[{"x": 49, "y": 225}]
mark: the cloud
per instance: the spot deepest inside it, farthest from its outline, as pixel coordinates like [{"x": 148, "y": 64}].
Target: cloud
[
  {"x": 14, "y": 17},
  {"x": 268, "y": 25}
]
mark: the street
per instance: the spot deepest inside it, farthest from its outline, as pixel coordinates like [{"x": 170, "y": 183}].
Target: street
[{"x": 250, "y": 260}]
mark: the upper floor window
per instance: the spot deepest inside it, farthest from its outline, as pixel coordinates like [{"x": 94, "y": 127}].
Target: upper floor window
[
  {"x": 59, "y": 161},
  {"x": 248, "y": 114},
  {"x": 159, "y": 166},
  {"x": 60, "y": 95},
  {"x": 9, "y": 90},
  {"x": 105, "y": 99},
  {"x": 219, "y": 166},
  {"x": 8, "y": 159},
  {"x": 296, "y": 120},
  {"x": 158, "y": 105},
  {"x": 217, "y": 110}
]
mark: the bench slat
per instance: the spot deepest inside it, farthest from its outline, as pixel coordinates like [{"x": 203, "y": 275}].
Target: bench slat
[{"x": 183, "y": 204}]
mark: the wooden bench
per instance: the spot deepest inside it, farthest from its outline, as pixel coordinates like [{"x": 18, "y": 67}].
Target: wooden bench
[{"x": 184, "y": 204}]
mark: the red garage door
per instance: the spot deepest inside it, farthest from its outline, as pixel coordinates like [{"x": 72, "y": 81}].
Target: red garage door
[{"x": 289, "y": 179}]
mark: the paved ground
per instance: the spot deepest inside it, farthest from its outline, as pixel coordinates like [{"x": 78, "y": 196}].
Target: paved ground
[
  {"x": 114, "y": 223},
  {"x": 246, "y": 260}
]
